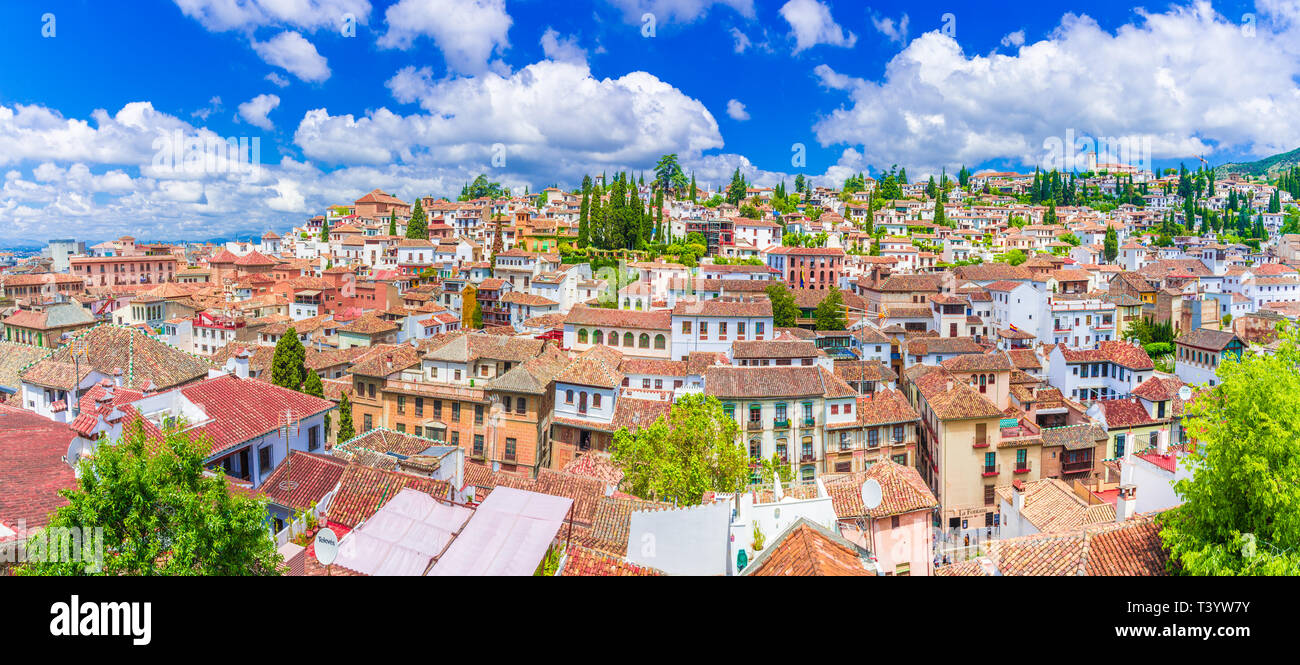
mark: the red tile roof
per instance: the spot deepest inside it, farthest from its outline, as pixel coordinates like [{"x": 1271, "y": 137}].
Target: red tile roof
[{"x": 32, "y": 470}]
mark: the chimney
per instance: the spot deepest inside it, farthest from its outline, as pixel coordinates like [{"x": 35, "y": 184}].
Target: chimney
[
  {"x": 241, "y": 364},
  {"x": 117, "y": 376},
  {"x": 1126, "y": 504},
  {"x": 1018, "y": 496}
]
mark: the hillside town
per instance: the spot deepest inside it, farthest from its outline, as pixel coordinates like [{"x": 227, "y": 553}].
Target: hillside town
[{"x": 971, "y": 374}]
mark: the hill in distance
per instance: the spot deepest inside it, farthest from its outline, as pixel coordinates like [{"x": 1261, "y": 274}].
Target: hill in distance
[{"x": 1268, "y": 166}]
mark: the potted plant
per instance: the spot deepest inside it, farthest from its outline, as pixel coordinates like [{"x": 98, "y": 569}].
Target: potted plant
[{"x": 759, "y": 538}]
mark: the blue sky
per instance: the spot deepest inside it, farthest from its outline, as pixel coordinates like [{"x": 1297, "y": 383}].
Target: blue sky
[{"x": 427, "y": 93}]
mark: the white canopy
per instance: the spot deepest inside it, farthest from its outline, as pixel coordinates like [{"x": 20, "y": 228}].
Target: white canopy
[
  {"x": 508, "y": 534},
  {"x": 403, "y": 536}
]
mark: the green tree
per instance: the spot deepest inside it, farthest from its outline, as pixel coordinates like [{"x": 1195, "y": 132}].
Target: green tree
[
  {"x": 1014, "y": 257},
  {"x": 669, "y": 175},
  {"x": 313, "y": 386},
  {"x": 471, "y": 314},
  {"x": 785, "y": 313},
  {"x": 392, "y": 223},
  {"x": 161, "y": 514},
  {"x": 1241, "y": 507},
  {"x": 325, "y": 231},
  {"x": 1110, "y": 245},
  {"x": 288, "y": 369},
  {"x": 736, "y": 190},
  {"x": 418, "y": 225},
  {"x": 830, "y": 311},
  {"x": 693, "y": 450},
  {"x": 346, "y": 430}
]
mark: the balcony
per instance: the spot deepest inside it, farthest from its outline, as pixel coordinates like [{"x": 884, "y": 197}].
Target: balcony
[
  {"x": 990, "y": 471},
  {"x": 754, "y": 426},
  {"x": 806, "y": 457},
  {"x": 783, "y": 423},
  {"x": 809, "y": 422},
  {"x": 899, "y": 441},
  {"x": 980, "y": 443},
  {"x": 1024, "y": 467},
  {"x": 1082, "y": 466}
]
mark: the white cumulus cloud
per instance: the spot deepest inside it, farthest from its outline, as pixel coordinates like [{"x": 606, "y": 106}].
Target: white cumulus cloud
[
  {"x": 468, "y": 32},
  {"x": 254, "y": 110},
  {"x": 737, "y": 111},
  {"x": 292, "y": 52},
  {"x": 811, "y": 24}
]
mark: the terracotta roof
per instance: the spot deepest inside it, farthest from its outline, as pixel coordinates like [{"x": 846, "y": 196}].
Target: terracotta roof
[
  {"x": 808, "y": 549},
  {"x": 978, "y": 362},
  {"x": 1132, "y": 547},
  {"x": 315, "y": 475},
  {"x": 773, "y": 381},
  {"x": 902, "y": 491},
  {"x": 364, "y": 490},
  {"x": 14, "y": 357},
  {"x": 1207, "y": 338},
  {"x": 142, "y": 359},
  {"x": 1051, "y": 505},
  {"x": 943, "y": 345},
  {"x": 949, "y": 398},
  {"x": 619, "y": 318},
  {"x": 773, "y": 349},
  {"x": 885, "y": 407},
  {"x": 1074, "y": 437},
  {"x": 864, "y": 370},
  {"x": 1129, "y": 355},
  {"x": 585, "y": 562},
  {"x": 727, "y": 308},
  {"x": 1125, "y": 413},
  {"x": 32, "y": 470}
]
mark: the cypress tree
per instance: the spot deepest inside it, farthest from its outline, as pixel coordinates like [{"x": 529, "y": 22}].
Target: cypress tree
[
  {"x": 287, "y": 365},
  {"x": 346, "y": 430},
  {"x": 418, "y": 226}
]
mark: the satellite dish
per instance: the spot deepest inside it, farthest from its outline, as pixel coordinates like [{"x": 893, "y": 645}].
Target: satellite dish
[
  {"x": 327, "y": 546},
  {"x": 871, "y": 494},
  {"x": 1185, "y": 393}
]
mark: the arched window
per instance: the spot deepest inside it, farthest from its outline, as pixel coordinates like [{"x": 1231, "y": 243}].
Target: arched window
[
  {"x": 598, "y": 337},
  {"x": 644, "y": 342},
  {"x": 582, "y": 402},
  {"x": 582, "y": 336},
  {"x": 627, "y": 303},
  {"x": 613, "y": 338},
  {"x": 628, "y": 340},
  {"x": 660, "y": 341},
  {"x": 755, "y": 449}
]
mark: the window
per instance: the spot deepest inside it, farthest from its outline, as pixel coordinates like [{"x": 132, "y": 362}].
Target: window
[
  {"x": 455, "y": 439},
  {"x": 835, "y": 409},
  {"x": 598, "y": 337},
  {"x": 628, "y": 340},
  {"x": 645, "y": 383},
  {"x": 873, "y": 438},
  {"x": 568, "y": 397},
  {"x": 455, "y": 411},
  {"x": 1119, "y": 445},
  {"x": 401, "y": 427},
  {"x": 722, "y": 330},
  {"x": 755, "y": 449},
  {"x": 510, "y": 449},
  {"x": 660, "y": 342},
  {"x": 401, "y": 405},
  {"x": 755, "y": 413},
  {"x": 419, "y": 407},
  {"x": 686, "y": 327},
  {"x": 521, "y": 405},
  {"x": 988, "y": 495},
  {"x": 780, "y": 411},
  {"x": 758, "y": 330},
  {"x": 478, "y": 445},
  {"x": 437, "y": 408},
  {"x": 1022, "y": 458},
  {"x": 893, "y": 524},
  {"x": 582, "y": 336},
  {"x": 370, "y": 390},
  {"x": 644, "y": 341},
  {"x": 595, "y": 400},
  {"x": 458, "y": 375},
  {"x": 478, "y": 414},
  {"x": 313, "y": 437},
  {"x": 704, "y": 329},
  {"x": 368, "y": 422},
  {"x": 990, "y": 462}
]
